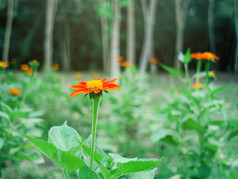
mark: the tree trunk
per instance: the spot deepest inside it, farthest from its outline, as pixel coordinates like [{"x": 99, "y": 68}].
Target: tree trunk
[
  {"x": 115, "y": 41},
  {"x": 181, "y": 8},
  {"x": 131, "y": 32},
  {"x": 8, "y": 30},
  {"x": 105, "y": 44},
  {"x": 236, "y": 31},
  {"x": 211, "y": 26},
  {"x": 149, "y": 17},
  {"x": 49, "y": 27}
]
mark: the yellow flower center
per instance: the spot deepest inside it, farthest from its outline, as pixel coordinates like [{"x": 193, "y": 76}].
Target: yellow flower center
[{"x": 94, "y": 85}]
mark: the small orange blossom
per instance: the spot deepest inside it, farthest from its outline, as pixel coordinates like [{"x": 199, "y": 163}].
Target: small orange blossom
[
  {"x": 14, "y": 91},
  {"x": 197, "y": 85},
  {"x": 94, "y": 86},
  {"x": 78, "y": 75},
  {"x": 95, "y": 74},
  {"x": 55, "y": 67},
  {"x": 154, "y": 60},
  {"x": 126, "y": 64},
  {"x": 205, "y": 56},
  {"x": 3, "y": 64},
  {"x": 24, "y": 67},
  {"x": 120, "y": 59}
]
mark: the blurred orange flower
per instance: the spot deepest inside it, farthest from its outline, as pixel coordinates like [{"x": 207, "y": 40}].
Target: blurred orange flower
[
  {"x": 95, "y": 74},
  {"x": 24, "y": 67},
  {"x": 29, "y": 71},
  {"x": 154, "y": 60},
  {"x": 197, "y": 85},
  {"x": 94, "y": 86},
  {"x": 205, "y": 56},
  {"x": 3, "y": 64},
  {"x": 14, "y": 91},
  {"x": 126, "y": 64},
  {"x": 78, "y": 75},
  {"x": 55, "y": 67},
  {"x": 120, "y": 59}
]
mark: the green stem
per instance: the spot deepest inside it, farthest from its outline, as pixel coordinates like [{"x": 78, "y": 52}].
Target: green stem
[
  {"x": 199, "y": 66},
  {"x": 96, "y": 100},
  {"x": 66, "y": 175},
  {"x": 207, "y": 66},
  {"x": 187, "y": 73}
]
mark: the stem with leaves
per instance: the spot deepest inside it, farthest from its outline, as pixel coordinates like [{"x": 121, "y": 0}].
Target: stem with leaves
[{"x": 96, "y": 100}]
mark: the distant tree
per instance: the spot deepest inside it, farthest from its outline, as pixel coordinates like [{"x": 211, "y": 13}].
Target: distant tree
[
  {"x": 149, "y": 12},
  {"x": 236, "y": 32},
  {"x": 211, "y": 26},
  {"x": 49, "y": 29},
  {"x": 181, "y": 11},
  {"x": 8, "y": 30},
  {"x": 115, "y": 40},
  {"x": 131, "y": 32}
]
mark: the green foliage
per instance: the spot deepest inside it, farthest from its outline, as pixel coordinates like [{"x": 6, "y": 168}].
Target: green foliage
[
  {"x": 172, "y": 71},
  {"x": 70, "y": 161}
]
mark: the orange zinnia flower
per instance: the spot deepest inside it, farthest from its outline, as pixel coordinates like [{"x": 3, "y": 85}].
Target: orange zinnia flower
[
  {"x": 205, "y": 56},
  {"x": 95, "y": 86},
  {"x": 24, "y": 67},
  {"x": 120, "y": 59},
  {"x": 55, "y": 67},
  {"x": 197, "y": 85},
  {"x": 154, "y": 60},
  {"x": 14, "y": 91},
  {"x": 126, "y": 64}
]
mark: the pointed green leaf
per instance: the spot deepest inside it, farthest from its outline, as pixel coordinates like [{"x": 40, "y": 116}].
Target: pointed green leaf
[
  {"x": 64, "y": 137},
  {"x": 159, "y": 134},
  {"x": 172, "y": 71},
  {"x": 187, "y": 56},
  {"x": 45, "y": 147},
  {"x": 191, "y": 124}
]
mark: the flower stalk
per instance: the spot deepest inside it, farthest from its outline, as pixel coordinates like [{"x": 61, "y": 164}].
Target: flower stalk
[
  {"x": 96, "y": 101},
  {"x": 207, "y": 66},
  {"x": 199, "y": 66}
]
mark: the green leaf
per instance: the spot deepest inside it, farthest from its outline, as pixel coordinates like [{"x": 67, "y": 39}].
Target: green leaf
[
  {"x": 169, "y": 139},
  {"x": 135, "y": 166},
  {"x": 86, "y": 173},
  {"x": 187, "y": 56},
  {"x": 142, "y": 175},
  {"x": 159, "y": 134},
  {"x": 220, "y": 89},
  {"x": 172, "y": 71},
  {"x": 68, "y": 161},
  {"x": 64, "y": 137},
  {"x": 4, "y": 115},
  {"x": 191, "y": 124},
  {"x": 45, "y": 147},
  {"x": 233, "y": 133},
  {"x": 1, "y": 142}
]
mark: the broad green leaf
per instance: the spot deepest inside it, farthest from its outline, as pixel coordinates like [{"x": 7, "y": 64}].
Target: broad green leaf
[
  {"x": 172, "y": 71},
  {"x": 119, "y": 159},
  {"x": 159, "y": 134},
  {"x": 67, "y": 161},
  {"x": 64, "y": 137},
  {"x": 29, "y": 155},
  {"x": 45, "y": 147},
  {"x": 191, "y": 124},
  {"x": 86, "y": 173},
  {"x": 135, "y": 166}
]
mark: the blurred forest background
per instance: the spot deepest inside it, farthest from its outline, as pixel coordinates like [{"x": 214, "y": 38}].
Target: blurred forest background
[{"x": 91, "y": 34}]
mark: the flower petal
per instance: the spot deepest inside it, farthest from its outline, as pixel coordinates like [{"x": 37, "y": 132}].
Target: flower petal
[
  {"x": 111, "y": 87},
  {"x": 111, "y": 82},
  {"x": 76, "y": 92},
  {"x": 78, "y": 87},
  {"x": 103, "y": 80},
  {"x": 97, "y": 91}
]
